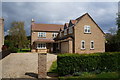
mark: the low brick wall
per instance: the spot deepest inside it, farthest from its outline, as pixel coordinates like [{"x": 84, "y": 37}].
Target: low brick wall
[{"x": 3, "y": 54}]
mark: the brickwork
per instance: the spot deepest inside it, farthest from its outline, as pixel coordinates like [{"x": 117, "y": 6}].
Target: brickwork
[
  {"x": 1, "y": 33},
  {"x": 42, "y": 65},
  {"x": 96, "y": 35}
]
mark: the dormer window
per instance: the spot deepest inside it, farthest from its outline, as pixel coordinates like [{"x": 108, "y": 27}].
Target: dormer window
[
  {"x": 87, "y": 29},
  {"x": 65, "y": 32},
  {"x": 54, "y": 35},
  {"x": 60, "y": 34},
  {"x": 70, "y": 30}
]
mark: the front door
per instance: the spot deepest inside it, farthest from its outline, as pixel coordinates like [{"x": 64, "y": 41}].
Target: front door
[{"x": 55, "y": 47}]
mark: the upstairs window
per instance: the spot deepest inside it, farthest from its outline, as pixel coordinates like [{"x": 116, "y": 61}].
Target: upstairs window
[
  {"x": 41, "y": 46},
  {"x": 92, "y": 45},
  {"x": 82, "y": 44},
  {"x": 41, "y": 34},
  {"x": 54, "y": 35},
  {"x": 70, "y": 30},
  {"x": 87, "y": 29},
  {"x": 65, "y": 32}
]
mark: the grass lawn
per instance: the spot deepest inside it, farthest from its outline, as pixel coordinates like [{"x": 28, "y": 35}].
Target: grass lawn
[
  {"x": 23, "y": 50},
  {"x": 90, "y": 76},
  {"x": 53, "y": 68}
]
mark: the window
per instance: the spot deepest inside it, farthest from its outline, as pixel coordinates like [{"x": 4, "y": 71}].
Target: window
[
  {"x": 82, "y": 44},
  {"x": 65, "y": 32},
  {"x": 41, "y": 46},
  {"x": 87, "y": 29},
  {"x": 70, "y": 30},
  {"x": 60, "y": 34},
  {"x": 41, "y": 34},
  {"x": 92, "y": 45},
  {"x": 54, "y": 35}
]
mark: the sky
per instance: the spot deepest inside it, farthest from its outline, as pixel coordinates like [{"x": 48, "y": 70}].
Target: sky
[{"x": 104, "y": 13}]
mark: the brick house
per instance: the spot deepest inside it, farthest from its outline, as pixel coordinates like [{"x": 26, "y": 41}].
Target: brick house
[
  {"x": 42, "y": 37},
  {"x": 1, "y": 33},
  {"x": 81, "y": 35}
]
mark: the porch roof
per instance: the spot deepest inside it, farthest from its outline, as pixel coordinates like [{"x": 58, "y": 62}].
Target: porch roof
[{"x": 45, "y": 40}]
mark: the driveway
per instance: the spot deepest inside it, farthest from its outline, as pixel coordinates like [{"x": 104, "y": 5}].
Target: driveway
[{"x": 22, "y": 65}]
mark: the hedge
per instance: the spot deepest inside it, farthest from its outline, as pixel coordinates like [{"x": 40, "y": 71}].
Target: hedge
[{"x": 97, "y": 62}]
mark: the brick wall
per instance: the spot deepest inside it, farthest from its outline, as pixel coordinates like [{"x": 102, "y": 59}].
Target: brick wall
[
  {"x": 1, "y": 34},
  {"x": 96, "y": 35}
]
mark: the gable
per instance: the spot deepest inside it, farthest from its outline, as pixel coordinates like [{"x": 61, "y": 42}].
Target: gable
[{"x": 87, "y": 15}]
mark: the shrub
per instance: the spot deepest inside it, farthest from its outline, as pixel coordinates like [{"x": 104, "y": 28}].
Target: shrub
[
  {"x": 13, "y": 49},
  {"x": 71, "y": 63}
]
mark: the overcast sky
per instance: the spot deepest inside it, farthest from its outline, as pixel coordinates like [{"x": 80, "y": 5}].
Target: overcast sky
[{"x": 104, "y": 13}]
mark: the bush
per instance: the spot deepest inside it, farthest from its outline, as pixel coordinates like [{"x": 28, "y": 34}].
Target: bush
[
  {"x": 13, "y": 49},
  {"x": 99, "y": 62}
]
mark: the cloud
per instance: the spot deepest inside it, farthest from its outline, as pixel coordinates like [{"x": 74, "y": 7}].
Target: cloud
[
  {"x": 61, "y": 0},
  {"x": 104, "y": 13}
]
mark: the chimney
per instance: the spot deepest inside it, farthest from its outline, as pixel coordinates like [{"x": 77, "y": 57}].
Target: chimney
[{"x": 32, "y": 21}]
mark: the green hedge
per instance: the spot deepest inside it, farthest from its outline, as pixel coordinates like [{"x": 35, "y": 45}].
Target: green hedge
[{"x": 97, "y": 62}]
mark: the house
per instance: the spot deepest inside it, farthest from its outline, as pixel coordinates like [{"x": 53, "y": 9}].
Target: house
[
  {"x": 81, "y": 35},
  {"x": 42, "y": 37},
  {"x": 1, "y": 33}
]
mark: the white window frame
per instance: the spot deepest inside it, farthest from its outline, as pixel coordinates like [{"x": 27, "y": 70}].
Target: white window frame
[
  {"x": 41, "y": 34},
  {"x": 54, "y": 35},
  {"x": 87, "y": 29},
  {"x": 70, "y": 30},
  {"x": 92, "y": 44},
  {"x": 82, "y": 44},
  {"x": 41, "y": 46},
  {"x": 65, "y": 32}
]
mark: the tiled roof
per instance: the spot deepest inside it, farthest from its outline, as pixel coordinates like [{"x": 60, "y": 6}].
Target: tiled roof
[
  {"x": 44, "y": 40},
  {"x": 73, "y": 21},
  {"x": 66, "y": 25},
  {"x": 46, "y": 27}
]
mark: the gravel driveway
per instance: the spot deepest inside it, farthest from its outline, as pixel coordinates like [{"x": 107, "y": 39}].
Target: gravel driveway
[{"x": 23, "y": 65}]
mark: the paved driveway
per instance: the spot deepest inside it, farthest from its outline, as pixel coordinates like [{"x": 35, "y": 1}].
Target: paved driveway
[
  {"x": 23, "y": 65},
  {"x": 20, "y": 65}
]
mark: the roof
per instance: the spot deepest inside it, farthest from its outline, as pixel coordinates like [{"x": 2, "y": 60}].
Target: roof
[
  {"x": 73, "y": 21},
  {"x": 45, "y": 40},
  {"x": 46, "y": 27},
  {"x": 66, "y": 25}
]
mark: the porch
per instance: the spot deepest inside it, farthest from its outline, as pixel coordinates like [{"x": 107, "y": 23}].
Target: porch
[{"x": 45, "y": 46}]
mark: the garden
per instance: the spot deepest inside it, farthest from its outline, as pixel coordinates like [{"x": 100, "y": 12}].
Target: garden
[{"x": 87, "y": 66}]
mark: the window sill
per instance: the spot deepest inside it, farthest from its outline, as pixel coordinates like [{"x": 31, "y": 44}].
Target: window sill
[
  {"x": 82, "y": 48},
  {"x": 87, "y": 33},
  {"x": 92, "y": 49},
  {"x": 41, "y": 37},
  {"x": 41, "y": 48}
]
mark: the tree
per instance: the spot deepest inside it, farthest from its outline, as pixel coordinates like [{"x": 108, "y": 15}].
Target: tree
[
  {"x": 18, "y": 35},
  {"x": 113, "y": 30},
  {"x": 113, "y": 41}
]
